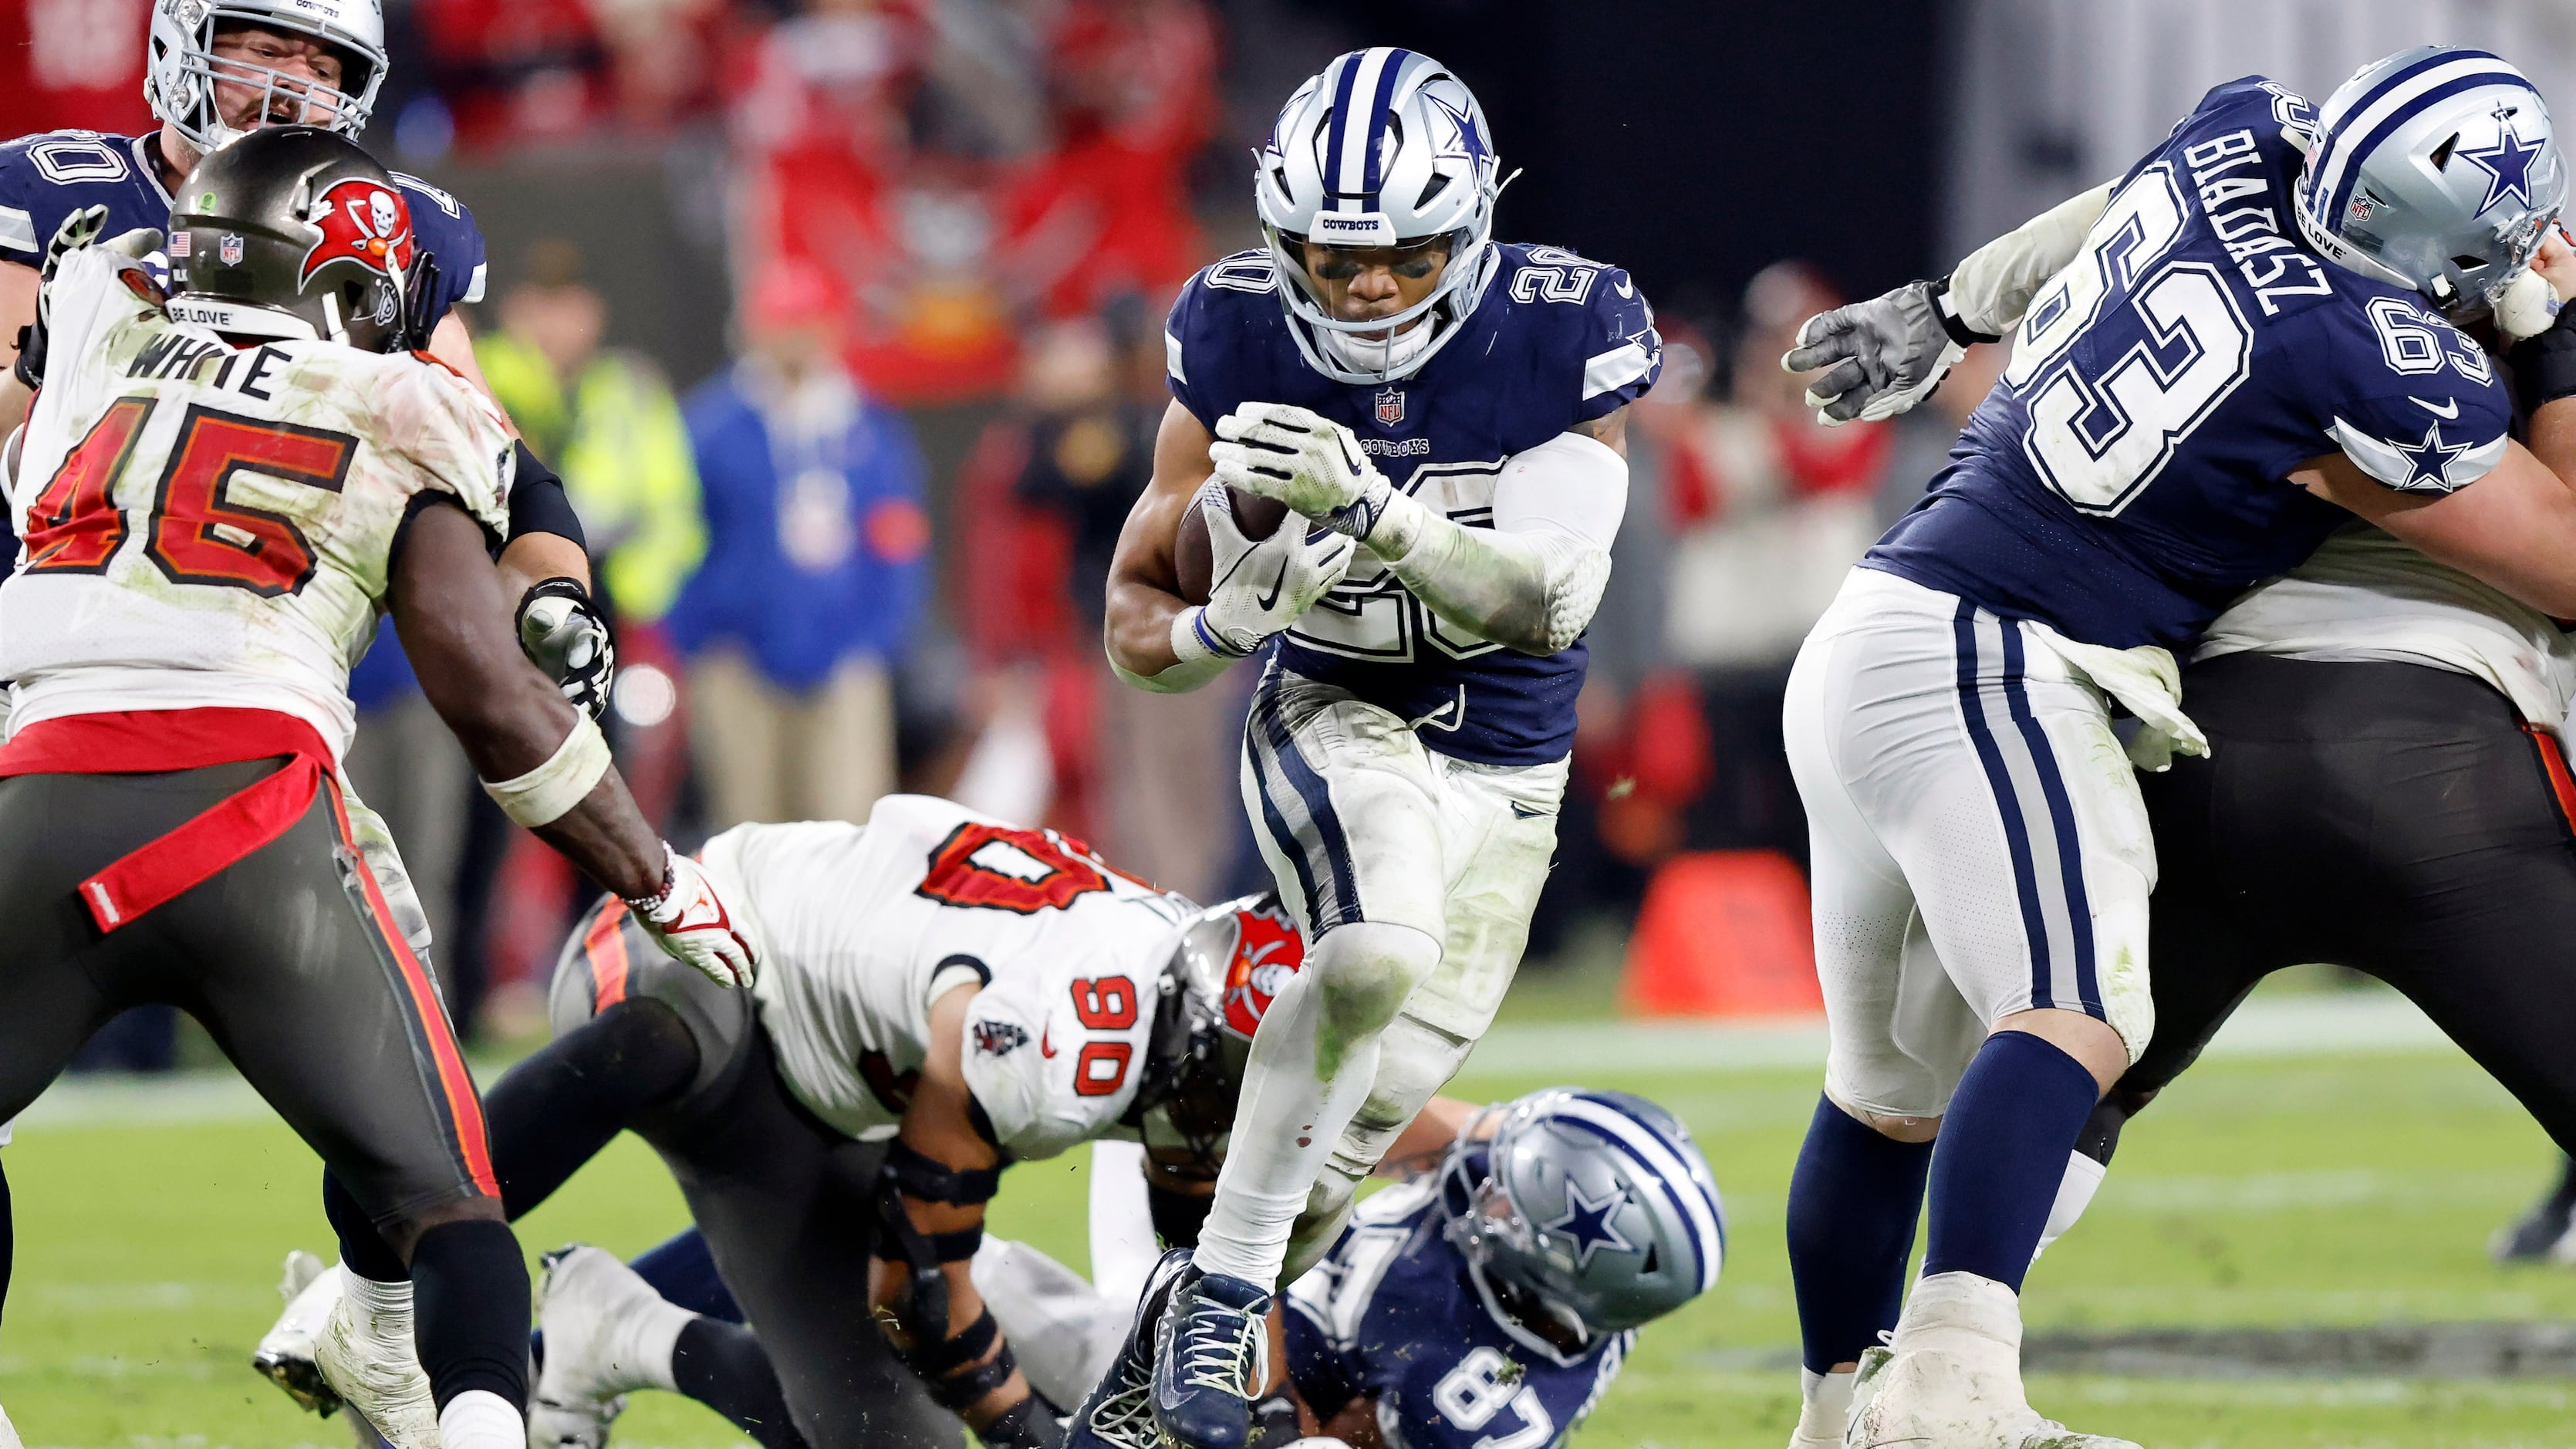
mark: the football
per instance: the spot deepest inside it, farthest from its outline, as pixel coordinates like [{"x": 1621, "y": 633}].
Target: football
[{"x": 1193, "y": 558}]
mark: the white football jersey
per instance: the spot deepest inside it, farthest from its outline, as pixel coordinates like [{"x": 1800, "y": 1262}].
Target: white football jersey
[
  {"x": 205, "y": 525},
  {"x": 2365, "y": 596},
  {"x": 864, "y": 926}
]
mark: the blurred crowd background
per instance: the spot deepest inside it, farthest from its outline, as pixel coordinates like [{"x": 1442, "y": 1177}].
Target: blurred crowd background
[{"x": 842, "y": 318}]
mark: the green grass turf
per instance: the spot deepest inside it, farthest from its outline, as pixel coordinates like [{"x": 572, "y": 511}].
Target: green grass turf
[{"x": 2321, "y": 1190}]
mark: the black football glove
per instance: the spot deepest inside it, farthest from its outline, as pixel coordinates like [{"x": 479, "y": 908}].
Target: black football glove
[
  {"x": 420, "y": 304},
  {"x": 561, "y": 633}
]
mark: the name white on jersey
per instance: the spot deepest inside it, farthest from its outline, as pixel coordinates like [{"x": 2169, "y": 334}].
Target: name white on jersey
[
  {"x": 866, "y": 925},
  {"x": 205, "y": 525}
]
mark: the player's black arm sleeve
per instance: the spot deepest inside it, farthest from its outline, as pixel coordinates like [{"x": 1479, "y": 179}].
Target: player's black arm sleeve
[{"x": 538, "y": 503}]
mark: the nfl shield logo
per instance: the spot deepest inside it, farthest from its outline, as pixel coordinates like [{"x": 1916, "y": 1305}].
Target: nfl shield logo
[
  {"x": 1390, "y": 407},
  {"x": 228, "y": 250}
]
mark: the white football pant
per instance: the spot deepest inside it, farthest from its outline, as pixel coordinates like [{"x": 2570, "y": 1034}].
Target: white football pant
[{"x": 1979, "y": 846}]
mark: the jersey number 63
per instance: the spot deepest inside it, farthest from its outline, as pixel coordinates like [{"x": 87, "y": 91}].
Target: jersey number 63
[{"x": 2176, "y": 342}]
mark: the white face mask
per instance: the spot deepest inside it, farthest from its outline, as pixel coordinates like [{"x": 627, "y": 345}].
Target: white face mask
[{"x": 1381, "y": 354}]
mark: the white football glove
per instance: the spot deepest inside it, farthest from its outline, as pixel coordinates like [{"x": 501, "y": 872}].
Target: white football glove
[
  {"x": 1259, "y": 588},
  {"x": 692, "y": 922},
  {"x": 1881, "y": 356},
  {"x": 1302, "y": 459}
]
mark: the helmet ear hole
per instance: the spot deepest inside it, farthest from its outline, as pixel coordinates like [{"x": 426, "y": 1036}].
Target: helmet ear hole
[{"x": 2442, "y": 153}]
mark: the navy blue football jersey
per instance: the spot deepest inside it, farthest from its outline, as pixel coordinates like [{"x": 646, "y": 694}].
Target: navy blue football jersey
[
  {"x": 46, "y": 177},
  {"x": 1393, "y": 1314},
  {"x": 1556, "y": 340},
  {"x": 2127, "y": 478}
]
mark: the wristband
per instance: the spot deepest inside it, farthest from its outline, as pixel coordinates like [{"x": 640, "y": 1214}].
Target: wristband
[
  {"x": 1938, "y": 289},
  {"x": 1193, "y": 641},
  {"x": 544, "y": 794}
]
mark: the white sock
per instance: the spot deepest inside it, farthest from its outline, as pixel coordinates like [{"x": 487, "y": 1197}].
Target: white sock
[
  {"x": 1824, "y": 1404},
  {"x": 1290, "y": 1117},
  {"x": 481, "y": 1419},
  {"x": 2074, "y": 1194},
  {"x": 386, "y": 1305},
  {"x": 642, "y": 1345}
]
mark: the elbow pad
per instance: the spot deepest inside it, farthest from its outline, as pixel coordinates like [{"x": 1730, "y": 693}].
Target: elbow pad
[
  {"x": 1533, "y": 581},
  {"x": 1992, "y": 286},
  {"x": 1575, "y": 574}
]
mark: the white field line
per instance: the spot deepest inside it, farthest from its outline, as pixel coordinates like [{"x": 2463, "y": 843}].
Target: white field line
[
  {"x": 2284, "y": 1026},
  {"x": 2305, "y": 1024}
]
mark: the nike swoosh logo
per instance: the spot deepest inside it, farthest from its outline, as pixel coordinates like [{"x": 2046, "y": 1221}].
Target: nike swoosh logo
[
  {"x": 2449, "y": 411},
  {"x": 1526, "y": 813},
  {"x": 1270, "y": 600},
  {"x": 1625, "y": 288},
  {"x": 1046, "y": 1041}
]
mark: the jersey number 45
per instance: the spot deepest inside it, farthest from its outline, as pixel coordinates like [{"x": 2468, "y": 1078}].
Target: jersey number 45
[{"x": 198, "y": 532}]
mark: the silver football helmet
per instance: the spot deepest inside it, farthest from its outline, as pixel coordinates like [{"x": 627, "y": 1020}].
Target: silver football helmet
[
  {"x": 180, "y": 68},
  {"x": 1597, "y": 1206},
  {"x": 1386, "y": 148},
  {"x": 2436, "y": 169}
]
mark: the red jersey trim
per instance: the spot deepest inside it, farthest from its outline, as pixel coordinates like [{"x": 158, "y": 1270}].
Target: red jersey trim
[{"x": 135, "y": 742}]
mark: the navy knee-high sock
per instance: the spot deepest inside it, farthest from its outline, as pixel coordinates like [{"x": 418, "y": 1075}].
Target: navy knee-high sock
[
  {"x": 683, "y": 1270},
  {"x": 2003, "y": 1150},
  {"x": 722, "y": 1366},
  {"x": 1852, "y": 1205}
]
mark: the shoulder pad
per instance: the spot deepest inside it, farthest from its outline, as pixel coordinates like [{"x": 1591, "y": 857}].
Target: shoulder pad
[
  {"x": 1594, "y": 312},
  {"x": 43, "y": 177},
  {"x": 1214, "y": 331},
  {"x": 2228, "y": 99},
  {"x": 1054, "y": 1050},
  {"x": 2412, "y": 400},
  {"x": 446, "y": 227}
]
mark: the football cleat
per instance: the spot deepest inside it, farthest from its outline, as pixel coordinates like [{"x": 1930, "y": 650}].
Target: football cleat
[
  {"x": 1214, "y": 1335},
  {"x": 1952, "y": 1377},
  {"x": 571, "y": 1426},
  {"x": 1118, "y": 1413},
  {"x": 285, "y": 1353},
  {"x": 584, "y": 1305},
  {"x": 367, "y": 1358}
]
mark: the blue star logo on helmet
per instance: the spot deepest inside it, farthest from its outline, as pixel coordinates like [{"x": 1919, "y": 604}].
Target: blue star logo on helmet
[
  {"x": 1466, "y": 142},
  {"x": 1588, "y": 1223},
  {"x": 2428, "y": 462},
  {"x": 2508, "y": 162}
]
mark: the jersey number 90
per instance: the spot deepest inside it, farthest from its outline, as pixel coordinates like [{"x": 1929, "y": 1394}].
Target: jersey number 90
[{"x": 2174, "y": 338}]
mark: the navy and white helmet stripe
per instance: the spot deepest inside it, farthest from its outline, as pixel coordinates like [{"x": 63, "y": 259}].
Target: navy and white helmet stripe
[
  {"x": 2435, "y": 168},
  {"x": 2351, "y": 126},
  {"x": 1384, "y": 147},
  {"x": 1356, "y": 153},
  {"x": 1597, "y": 1205},
  {"x": 1689, "y": 1192}
]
